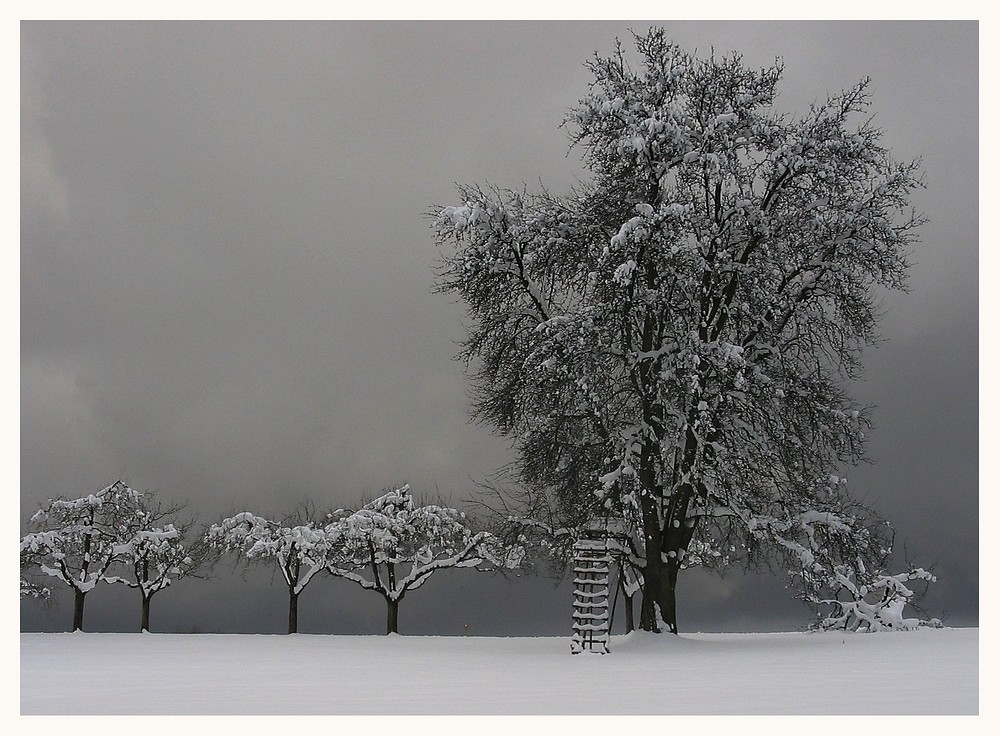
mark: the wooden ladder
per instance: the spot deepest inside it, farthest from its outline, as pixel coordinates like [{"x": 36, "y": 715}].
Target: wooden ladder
[{"x": 591, "y": 573}]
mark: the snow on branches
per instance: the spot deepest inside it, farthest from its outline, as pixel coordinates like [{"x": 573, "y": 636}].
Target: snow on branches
[
  {"x": 392, "y": 545},
  {"x": 300, "y": 548},
  {"x": 158, "y": 554},
  {"x": 116, "y": 535},
  {"x": 842, "y": 561},
  {"x": 874, "y": 605},
  {"x": 671, "y": 342},
  {"x": 76, "y": 540},
  {"x": 30, "y": 587}
]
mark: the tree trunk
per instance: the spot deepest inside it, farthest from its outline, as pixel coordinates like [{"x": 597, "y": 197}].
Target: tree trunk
[
  {"x": 78, "y": 597},
  {"x": 392, "y": 616},
  {"x": 146, "y": 600},
  {"x": 658, "y": 595},
  {"x": 666, "y": 545},
  {"x": 629, "y": 614},
  {"x": 652, "y": 583},
  {"x": 293, "y": 611},
  {"x": 659, "y": 588}
]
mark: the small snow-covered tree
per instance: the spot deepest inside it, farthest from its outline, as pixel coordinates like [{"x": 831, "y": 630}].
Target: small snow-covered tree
[
  {"x": 154, "y": 558},
  {"x": 76, "y": 540},
  {"x": 392, "y": 545},
  {"x": 671, "y": 343},
  {"x": 159, "y": 553},
  {"x": 298, "y": 547}
]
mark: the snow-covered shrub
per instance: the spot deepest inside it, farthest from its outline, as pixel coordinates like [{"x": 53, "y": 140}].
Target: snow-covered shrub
[{"x": 874, "y": 605}]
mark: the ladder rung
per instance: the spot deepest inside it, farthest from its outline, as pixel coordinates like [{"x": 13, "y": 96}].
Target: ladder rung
[{"x": 590, "y": 616}]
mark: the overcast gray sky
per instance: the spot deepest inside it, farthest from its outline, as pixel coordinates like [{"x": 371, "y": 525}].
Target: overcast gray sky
[{"x": 226, "y": 285}]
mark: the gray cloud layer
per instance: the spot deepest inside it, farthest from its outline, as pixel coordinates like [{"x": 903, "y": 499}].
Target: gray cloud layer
[{"x": 225, "y": 280}]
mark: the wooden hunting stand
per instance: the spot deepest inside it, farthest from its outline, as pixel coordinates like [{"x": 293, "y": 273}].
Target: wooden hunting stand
[{"x": 593, "y": 554}]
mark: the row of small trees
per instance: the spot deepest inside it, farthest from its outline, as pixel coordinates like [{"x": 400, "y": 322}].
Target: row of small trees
[
  {"x": 118, "y": 535},
  {"x": 391, "y": 545}
]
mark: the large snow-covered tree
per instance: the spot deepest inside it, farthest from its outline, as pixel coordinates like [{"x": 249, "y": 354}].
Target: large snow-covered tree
[
  {"x": 297, "y": 546},
  {"x": 392, "y": 545},
  {"x": 77, "y": 540},
  {"x": 671, "y": 343}
]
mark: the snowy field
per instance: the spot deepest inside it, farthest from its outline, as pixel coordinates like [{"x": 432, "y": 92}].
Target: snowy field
[{"x": 899, "y": 673}]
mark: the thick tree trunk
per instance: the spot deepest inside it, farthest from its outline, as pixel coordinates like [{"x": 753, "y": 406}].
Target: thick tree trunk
[
  {"x": 666, "y": 545},
  {"x": 293, "y": 612},
  {"x": 78, "y": 598},
  {"x": 659, "y": 593},
  {"x": 392, "y": 616},
  {"x": 146, "y": 600}
]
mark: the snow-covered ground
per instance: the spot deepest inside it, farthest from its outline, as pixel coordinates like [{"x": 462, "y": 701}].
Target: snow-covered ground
[{"x": 917, "y": 672}]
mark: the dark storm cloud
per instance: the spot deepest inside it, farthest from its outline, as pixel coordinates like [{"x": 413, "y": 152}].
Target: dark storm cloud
[{"x": 226, "y": 278}]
